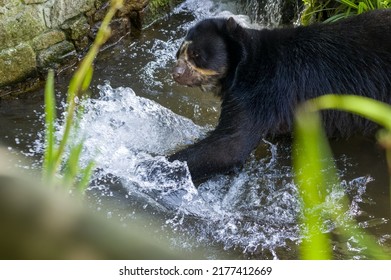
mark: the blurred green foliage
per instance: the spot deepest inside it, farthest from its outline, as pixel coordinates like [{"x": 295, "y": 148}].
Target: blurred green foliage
[
  {"x": 56, "y": 160},
  {"x": 333, "y": 10},
  {"x": 315, "y": 173}
]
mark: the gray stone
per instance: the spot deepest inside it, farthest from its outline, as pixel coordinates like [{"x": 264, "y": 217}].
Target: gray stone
[
  {"x": 53, "y": 28},
  {"x": 78, "y": 30},
  {"x": 100, "y": 3},
  {"x": 55, "y": 56},
  {"x": 100, "y": 13},
  {"x": 132, "y": 5},
  {"x": 47, "y": 39},
  {"x": 77, "y": 27},
  {"x": 20, "y": 24},
  {"x": 27, "y": 2},
  {"x": 9, "y": 3},
  {"x": 46, "y": 17},
  {"x": 63, "y": 10},
  {"x": 16, "y": 63},
  {"x": 119, "y": 27}
]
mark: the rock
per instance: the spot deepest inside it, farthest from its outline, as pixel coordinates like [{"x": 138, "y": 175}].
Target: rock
[
  {"x": 63, "y": 10},
  {"x": 131, "y": 5},
  {"x": 152, "y": 11},
  {"x": 39, "y": 34},
  {"x": 27, "y": 2},
  {"x": 101, "y": 12},
  {"x": 9, "y": 4},
  {"x": 119, "y": 28},
  {"x": 20, "y": 24},
  {"x": 47, "y": 39},
  {"x": 78, "y": 30},
  {"x": 16, "y": 63},
  {"x": 55, "y": 56}
]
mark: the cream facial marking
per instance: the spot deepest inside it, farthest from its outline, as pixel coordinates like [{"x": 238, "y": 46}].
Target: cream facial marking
[{"x": 184, "y": 55}]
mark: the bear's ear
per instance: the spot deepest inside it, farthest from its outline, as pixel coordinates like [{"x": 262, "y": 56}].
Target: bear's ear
[
  {"x": 233, "y": 28},
  {"x": 231, "y": 25}
]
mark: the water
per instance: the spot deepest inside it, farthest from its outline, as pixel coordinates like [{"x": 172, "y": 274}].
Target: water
[
  {"x": 137, "y": 115},
  {"x": 266, "y": 13}
]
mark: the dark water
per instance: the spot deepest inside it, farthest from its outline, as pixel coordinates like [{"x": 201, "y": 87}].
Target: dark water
[{"x": 137, "y": 114}]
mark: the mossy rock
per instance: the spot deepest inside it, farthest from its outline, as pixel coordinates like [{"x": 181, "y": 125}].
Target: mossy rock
[
  {"x": 47, "y": 39},
  {"x": 154, "y": 10},
  {"x": 63, "y": 10},
  {"x": 56, "y": 56},
  {"x": 33, "y": 1},
  {"x": 77, "y": 30},
  {"x": 133, "y": 5},
  {"x": 16, "y": 64},
  {"x": 19, "y": 24},
  {"x": 77, "y": 27}
]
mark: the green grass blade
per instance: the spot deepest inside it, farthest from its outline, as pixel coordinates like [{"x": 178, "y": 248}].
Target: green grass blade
[
  {"x": 86, "y": 174},
  {"x": 335, "y": 18},
  {"x": 72, "y": 165},
  {"x": 79, "y": 83},
  {"x": 50, "y": 117},
  {"x": 370, "y": 4},
  {"x": 371, "y": 109},
  {"x": 87, "y": 79},
  {"x": 349, "y": 4},
  {"x": 362, "y": 7},
  {"x": 310, "y": 147},
  {"x": 311, "y": 160}
]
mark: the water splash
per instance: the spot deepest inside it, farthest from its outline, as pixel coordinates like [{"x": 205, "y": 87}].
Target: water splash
[
  {"x": 265, "y": 13},
  {"x": 128, "y": 136},
  {"x": 253, "y": 212}
]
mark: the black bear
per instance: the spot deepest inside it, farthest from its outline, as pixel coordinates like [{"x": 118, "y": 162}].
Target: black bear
[{"x": 262, "y": 75}]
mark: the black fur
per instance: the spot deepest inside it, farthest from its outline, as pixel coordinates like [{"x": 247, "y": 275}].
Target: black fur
[{"x": 269, "y": 72}]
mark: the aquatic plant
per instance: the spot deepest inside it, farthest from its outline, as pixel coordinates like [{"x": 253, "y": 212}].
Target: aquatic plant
[
  {"x": 315, "y": 173},
  {"x": 72, "y": 174},
  {"x": 333, "y": 10}
]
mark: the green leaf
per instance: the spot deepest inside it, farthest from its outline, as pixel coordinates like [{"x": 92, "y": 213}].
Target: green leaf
[
  {"x": 50, "y": 117},
  {"x": 362, "y": 7},
  {"x": 85, "y": 176},
  {"x": 315, "y": 171},
  {"x": 349, "y": 3},
  {"x": 310, "y": 150},
  {"x": 371, "y": 109},
  {"x": 87, "y": 78}
]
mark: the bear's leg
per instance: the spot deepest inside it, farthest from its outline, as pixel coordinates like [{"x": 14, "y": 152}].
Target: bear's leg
[{"x": 228, "y": 146}]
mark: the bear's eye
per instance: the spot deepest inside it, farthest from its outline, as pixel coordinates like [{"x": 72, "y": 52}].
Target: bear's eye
[{"x": 192, "y": 54}]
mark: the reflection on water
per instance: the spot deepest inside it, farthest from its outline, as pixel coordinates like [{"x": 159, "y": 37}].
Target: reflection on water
[{"x": 138, "y": 115}]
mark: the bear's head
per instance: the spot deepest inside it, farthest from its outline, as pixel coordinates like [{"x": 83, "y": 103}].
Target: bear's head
[{"x": 204, "y": 56}]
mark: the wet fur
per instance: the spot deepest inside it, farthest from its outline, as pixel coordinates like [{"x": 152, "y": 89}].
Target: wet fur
[{"x": 267, "y": 73}]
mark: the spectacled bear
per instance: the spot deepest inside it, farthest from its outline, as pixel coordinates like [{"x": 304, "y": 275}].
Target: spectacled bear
[{"x": 262, "y": 75}]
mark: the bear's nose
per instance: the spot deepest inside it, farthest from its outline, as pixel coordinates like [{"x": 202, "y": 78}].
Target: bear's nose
[{"x": 178, "y": 71}]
